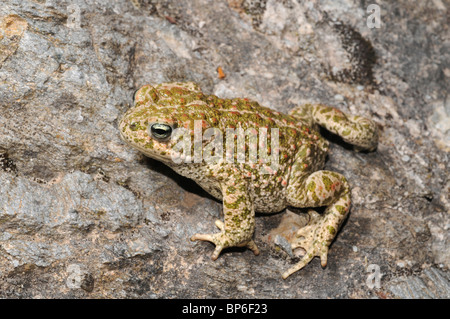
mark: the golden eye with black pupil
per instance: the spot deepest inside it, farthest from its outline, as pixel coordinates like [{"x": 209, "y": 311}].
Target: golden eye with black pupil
[{"x": 160, "y": 131}]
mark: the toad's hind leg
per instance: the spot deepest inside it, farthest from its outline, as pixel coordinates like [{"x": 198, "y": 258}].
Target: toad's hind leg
[
  {"x": 356, "y": 130},
  {"x": 321, "y": 188}
]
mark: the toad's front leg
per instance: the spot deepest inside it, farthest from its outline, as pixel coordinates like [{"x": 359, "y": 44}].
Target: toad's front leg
[{"x": 239, "y": 216}]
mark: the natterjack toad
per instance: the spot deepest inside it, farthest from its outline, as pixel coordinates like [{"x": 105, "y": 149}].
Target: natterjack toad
[{"x": 214, "y": 141}]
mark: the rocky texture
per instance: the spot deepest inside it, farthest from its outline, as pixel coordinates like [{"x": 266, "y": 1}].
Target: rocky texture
[
  {"x": 83, "y": 215},
  {"x": 431, "y": 284}
]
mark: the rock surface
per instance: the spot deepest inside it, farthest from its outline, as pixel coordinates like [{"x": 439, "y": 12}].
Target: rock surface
[{"x": 84, "y": 216}]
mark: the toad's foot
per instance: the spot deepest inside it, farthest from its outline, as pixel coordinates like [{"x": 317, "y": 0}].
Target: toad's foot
[
  {"x": 224, "y": 239},
  {"x": 311, "y": 238},
  {"x": 321, "y": 188},
  {"x": 356, "y": 130}
]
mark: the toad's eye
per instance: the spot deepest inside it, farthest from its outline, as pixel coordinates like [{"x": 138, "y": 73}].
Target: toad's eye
[{"x": 160, "y": 132}]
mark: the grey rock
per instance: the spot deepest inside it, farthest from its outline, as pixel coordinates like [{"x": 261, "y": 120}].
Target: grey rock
[
  {"x": 21, "y": 252},
  {"x": 433, "y": 284},
  {"x": 284, "y": 244},
  {"x": 78, "y": 206}
]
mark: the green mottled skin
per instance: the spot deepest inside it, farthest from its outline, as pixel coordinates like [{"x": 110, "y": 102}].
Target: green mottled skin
[{"x": 299, "y": 180}]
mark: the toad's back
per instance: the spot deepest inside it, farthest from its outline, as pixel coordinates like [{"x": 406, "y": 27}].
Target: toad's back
[{"x": 288, "y": 139}]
